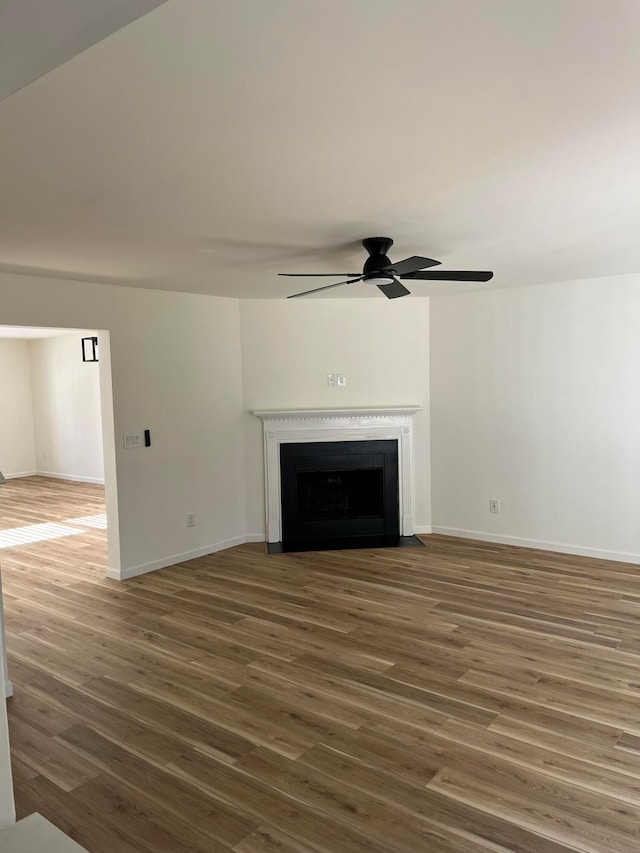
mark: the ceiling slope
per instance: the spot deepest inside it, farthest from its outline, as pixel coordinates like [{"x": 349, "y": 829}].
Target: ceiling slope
[
  {"x": 209, "y": 145},
  {"x": 38, "y": 35}
]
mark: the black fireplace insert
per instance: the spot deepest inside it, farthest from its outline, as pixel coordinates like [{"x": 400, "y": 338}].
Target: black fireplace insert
[{"x": 338, "y": 494}]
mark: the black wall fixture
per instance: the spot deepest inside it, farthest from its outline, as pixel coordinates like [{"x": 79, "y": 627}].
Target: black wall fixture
[{"x": 90, "y": 349}]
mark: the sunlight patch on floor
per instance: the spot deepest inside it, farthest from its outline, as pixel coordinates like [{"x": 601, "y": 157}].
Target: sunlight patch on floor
[
  {"x": 17, "y": 536},
  {"x": 98, "y": 521},
  {"x": 35, "y": 533}
]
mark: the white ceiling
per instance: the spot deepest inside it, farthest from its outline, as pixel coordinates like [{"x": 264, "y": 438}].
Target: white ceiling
[
  {"x": 29, "y": 332},
  {"x": 208, "y": 145},
  {"x": 38, "y": 35}
]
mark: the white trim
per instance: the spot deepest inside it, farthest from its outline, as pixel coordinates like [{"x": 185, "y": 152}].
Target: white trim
[
  {"x": 21, "y": 474},
  {"x": 74, "y": 478},
  {"x": 314, "y": 425},
  {"x": 332, "y": 414},
  {"x": 423, "y": 529},
  {"x": 36, "y": 833},
  {"x": 519, "y": 542},
  {"x": 4, "y": 666},
  {"x": 134, "y": 571}
]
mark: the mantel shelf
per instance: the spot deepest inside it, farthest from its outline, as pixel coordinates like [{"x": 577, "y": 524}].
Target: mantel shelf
[{"x": 314, "y": 414}]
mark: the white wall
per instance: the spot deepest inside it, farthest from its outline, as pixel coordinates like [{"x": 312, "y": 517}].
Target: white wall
[
  {"x": 17, "y": 456},
  {"x": 176, "y": 370},
  {"x": 536, "y": 401},
  {"x": 288, "y": 347},
  {"x": 66, "y": 409}
]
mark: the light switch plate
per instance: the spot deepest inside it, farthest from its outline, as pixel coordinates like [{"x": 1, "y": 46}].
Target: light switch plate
[{"x": 132, "y": 439}]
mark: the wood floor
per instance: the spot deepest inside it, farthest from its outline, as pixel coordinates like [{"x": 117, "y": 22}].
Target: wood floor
[{"x": 462, "y": 697}]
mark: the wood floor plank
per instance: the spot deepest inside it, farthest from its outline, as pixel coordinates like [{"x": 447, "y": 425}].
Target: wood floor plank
[
  {"x": 463, "y": 697},
  {"x": 157, "y": 745},
  {"x": 168, "y": 792},
  {"x": 581, "y": 773},
  {"x": 40, "y": 714},
  {"x": 365, "y": 811},
  {"x": 251, "y": 726},
  {"x": 268, "y": 840},
  {"x": 288, "y": 813},
  {"x": 48, "y": 758},
  {"x": 92, "y": 829},
  {"x": 193, "y": 729},
  {"x": 21, "y": 771},
  {"x": 143, "y": 821},
  {"x": 467, "y": 826},
  {"x": 542, "y": 805}
]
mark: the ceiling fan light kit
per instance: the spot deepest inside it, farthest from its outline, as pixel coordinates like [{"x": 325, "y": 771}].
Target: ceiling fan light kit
[{"x": 385, "y": 275}]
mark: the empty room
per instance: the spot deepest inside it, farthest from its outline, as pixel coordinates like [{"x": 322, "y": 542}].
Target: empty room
[{"x": 319, "y": 493}]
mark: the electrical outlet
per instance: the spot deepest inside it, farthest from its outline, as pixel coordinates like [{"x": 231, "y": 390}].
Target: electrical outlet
[
  {"x": 331, "y": 379},
  {"x": 191, "y": 519},
  {"x": 342, "y": 380},
  {"x": 494, "y": 505}
]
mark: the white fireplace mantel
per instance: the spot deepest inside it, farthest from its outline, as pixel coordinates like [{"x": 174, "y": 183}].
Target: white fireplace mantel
[{"x": 309, "y": 425}]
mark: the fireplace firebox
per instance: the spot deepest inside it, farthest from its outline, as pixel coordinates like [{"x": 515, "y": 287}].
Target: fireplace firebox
[{"x": 338, "y": 494}]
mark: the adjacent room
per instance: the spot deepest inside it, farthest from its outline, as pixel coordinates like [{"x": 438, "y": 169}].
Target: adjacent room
[
  {"x": 346, "y": 352},
  {"x": 51, "y": 435}
]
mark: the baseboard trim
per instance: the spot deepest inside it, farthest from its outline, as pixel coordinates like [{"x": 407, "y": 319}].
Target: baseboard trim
[
  {"x": 8, "y": 689},
  {"x": 423, "y": 529},
  {"x": 135, "y": 571},
  {"x": 539, "y": 544},
  {"x": 21, "y": 474},
  {"x": 73, "y": 478}
]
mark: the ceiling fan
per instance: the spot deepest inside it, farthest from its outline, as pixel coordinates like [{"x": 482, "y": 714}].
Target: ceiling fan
[{"x": 379, "y": 270}]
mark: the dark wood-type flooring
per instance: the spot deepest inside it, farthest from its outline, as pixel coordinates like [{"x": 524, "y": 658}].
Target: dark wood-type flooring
[{"x": 460, "y": 697}]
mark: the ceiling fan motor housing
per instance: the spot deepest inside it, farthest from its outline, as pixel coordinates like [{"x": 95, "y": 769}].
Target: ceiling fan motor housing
[{"x": 377, "y": 247}]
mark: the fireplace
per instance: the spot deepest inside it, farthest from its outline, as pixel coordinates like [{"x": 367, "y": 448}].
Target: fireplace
[{"x": 339, "y": 494}]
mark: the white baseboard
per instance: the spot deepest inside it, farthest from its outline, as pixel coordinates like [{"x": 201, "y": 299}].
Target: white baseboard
[
  {"x": 8, "y": 689},
  {"x": 423, "y": 528},
  {"x": 133, "y": 572},
  {"x": 18, "y": 476},
  {"x": 74, "y": 478},
  {"x": 519, "y": 542}
]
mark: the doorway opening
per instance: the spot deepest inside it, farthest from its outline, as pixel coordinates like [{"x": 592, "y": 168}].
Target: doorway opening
[
  {"x": 57, "y": 426},
  {"x": 58, "y": 498}
]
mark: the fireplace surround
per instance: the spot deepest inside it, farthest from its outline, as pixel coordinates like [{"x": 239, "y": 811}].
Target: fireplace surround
[{"x": 308, "y": 426}]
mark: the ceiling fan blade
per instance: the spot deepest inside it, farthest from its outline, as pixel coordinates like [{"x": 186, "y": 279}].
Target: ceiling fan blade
[
  {"x": 412, "y": 264},
  {"x": 393, "y": 290},
  {"x": 449, "y": 275},
  {"x": 326, "y": 287},
  {"x": 318, "y": 274}
]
